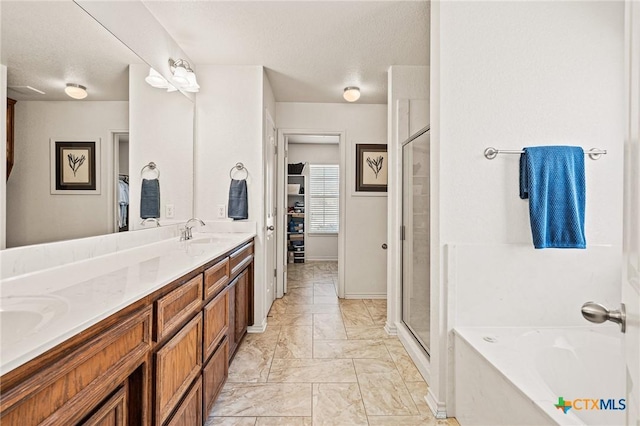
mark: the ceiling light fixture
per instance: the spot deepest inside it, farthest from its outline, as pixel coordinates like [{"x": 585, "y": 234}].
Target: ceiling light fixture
[
  {"x": 351, "y": 93},
  {"x": 76, "y": 91},
  {"x": 183, "y": 76}
]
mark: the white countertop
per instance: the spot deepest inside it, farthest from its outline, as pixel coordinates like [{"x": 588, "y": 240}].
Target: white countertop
[{"x": 42, "y": 309}]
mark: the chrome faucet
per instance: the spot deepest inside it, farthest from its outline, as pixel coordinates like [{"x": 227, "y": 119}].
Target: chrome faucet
[
  {"x": 150, "y": 219},
  {"x": 186, "y": 232}
]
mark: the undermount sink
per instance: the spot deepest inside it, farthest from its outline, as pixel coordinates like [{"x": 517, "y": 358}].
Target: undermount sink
[{"x": 21, "y": 316}]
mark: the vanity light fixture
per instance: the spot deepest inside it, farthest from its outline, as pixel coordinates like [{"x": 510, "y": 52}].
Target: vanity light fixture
[
  {"x": 76, "y": 91},
  {"x": 351, "y": 93},
  {"x": 183, "y": 76},
  {"x": 155, "y": 79}
]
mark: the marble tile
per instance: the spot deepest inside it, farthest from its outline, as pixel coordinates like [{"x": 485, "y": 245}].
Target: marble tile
[
  {"x": 292, "y": 283},
  {"x": 377, "y": 310},
  {"x": 324, "y": 290},
  {"x": 367, "y": 332},
  {"x": 405, "y": 421},
  {"x": 352, "y": 302},
  {"x": 324, "y": 275},
  {"x": 328, "y": 326},
  {"x": 278, "y": 307},
  {"x": 383, "y": 391},
  {"x": 302, "y": 291},
  {"x": 230, "y": 421},
  {"x": 403, "y": 361},
  {"x": 325, "y": 300},
  {"x": 312, "y": 370},
  {"x": 270, "y": 334},
  {"x": 418, "y": 391},
  {"x": 338, "y": 404},
  {"x": 313, "y": 309},
  {"x": 298, "y": 299},
  {"x": 264, "y": 399},
  {"x": 291, "y": 319},
  {"x": 284, "y": 421},
  {"x": 350, "y": 349},
  {"x": 356, "y": 315},
  {"x": 295, "y": 342},
  {"x": 252, "y": 361}
]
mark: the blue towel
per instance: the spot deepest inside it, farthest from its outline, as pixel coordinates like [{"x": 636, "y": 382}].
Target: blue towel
[
  {"x": 553, "y": 179},
  {"x": 150, "y": 199},
  {"x": 238, "y": 203}
]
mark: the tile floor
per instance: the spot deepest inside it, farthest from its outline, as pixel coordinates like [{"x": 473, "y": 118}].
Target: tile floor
[{"x": 323, "y": 361}]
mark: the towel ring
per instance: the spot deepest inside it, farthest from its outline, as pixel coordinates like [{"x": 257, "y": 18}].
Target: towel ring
[
  {"x": 239, "y": 167},
  {"x": 151, "y": 166}
]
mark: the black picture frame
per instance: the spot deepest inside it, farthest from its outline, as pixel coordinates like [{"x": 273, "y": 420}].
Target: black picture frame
[
  {"x": 75, "y": 165},
  {"x": 372, "y": 168}
]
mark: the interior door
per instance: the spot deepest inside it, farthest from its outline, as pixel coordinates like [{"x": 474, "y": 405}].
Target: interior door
[
  {"x": 631, "y": 227},
  {"x": 271, "y": 164}
]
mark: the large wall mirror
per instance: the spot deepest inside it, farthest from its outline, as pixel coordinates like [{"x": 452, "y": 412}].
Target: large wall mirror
[{"x": 127, "y": 123}]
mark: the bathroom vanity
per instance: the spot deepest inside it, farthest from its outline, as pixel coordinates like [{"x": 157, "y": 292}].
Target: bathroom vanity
[{"x": 160, "y": 358}]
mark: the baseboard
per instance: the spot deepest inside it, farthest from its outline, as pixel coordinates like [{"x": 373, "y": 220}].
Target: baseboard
[
  {"x": 365, "y": 296},
  {"x": 258, "y": 328},
  {"x": 391, "y": 329},
  {"x": 439, "y": 409}
]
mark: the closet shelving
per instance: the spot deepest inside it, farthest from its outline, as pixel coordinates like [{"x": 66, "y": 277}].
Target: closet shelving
[{"x": 296, "y": 221}]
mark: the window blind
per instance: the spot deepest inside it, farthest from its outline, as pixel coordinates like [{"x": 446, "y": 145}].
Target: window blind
[{"x": 324, "y": 196}]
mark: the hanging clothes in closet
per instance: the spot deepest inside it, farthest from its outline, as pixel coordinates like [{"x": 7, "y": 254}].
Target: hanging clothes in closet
[{"x": 123, "y": 202}]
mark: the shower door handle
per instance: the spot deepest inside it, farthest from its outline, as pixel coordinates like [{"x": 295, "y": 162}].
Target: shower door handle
[{"x": 597, "y": 313}]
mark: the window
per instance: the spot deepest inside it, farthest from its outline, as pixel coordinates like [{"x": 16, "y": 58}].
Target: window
[{"x": 324, "y": 195}]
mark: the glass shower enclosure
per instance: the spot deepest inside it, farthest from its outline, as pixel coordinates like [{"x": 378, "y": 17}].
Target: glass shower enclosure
[{"x": 416, "y": 292}]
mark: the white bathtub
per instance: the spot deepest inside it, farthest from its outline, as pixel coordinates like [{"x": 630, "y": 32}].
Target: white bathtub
[{"x": 511, "y": 376}]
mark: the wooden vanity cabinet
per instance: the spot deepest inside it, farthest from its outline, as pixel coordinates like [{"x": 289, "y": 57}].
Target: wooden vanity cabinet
[{"x": 161, "y": 361}]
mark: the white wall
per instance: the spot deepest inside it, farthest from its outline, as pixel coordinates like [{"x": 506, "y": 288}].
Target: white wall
[
  {"x": 34, "y": 215},
  {"x": 162, "y": 132},
  {"x": 407, "y": 112},
  {"x": 317, "y": 246},
  {"x": 366, "y": 216},
  {"x": 509, "y": 75},
  {"x": 230, "y": 128}
]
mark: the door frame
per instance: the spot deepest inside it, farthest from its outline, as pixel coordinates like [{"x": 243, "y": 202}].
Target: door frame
[
  {"x": 281, "y": 260},
  {"x": 115, "y": 168},
  {"x": 270, "y": 125}
]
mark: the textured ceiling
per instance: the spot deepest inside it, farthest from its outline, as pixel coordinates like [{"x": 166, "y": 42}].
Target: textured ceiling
[
  {"x": 311, "y": 49},
  {"x": 46, "y": 44}
]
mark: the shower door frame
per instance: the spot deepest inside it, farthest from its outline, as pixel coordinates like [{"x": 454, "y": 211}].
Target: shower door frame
[{"x": 425, "y": 348}]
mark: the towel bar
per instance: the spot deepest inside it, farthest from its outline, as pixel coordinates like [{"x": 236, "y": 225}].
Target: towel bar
[
  {"x": 491, "y": 153},
  {"x": 238, "y": 166},
  {"x": 151, "y": 166}
]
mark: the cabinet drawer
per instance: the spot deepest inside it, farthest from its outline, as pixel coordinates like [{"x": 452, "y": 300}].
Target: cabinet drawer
[
  {"x": 216, "y": 322},
  {"x": 71, "y": 388},
  {"x": 214, "y": 375},
  {"x": 113, "y": 411},
  {"x": 174, "y": 308},
  {"x": 215, "y": 278},
  {"x": 239, "y": 259},
  {"x": 177, "y": 364},
  {"x": 189, "y": 413}
]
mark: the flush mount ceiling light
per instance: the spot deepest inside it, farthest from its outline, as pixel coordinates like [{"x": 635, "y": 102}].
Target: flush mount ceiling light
[
  {"x": 351, "y": 93},
  {"x": 76, "y": 91},
  {"x": 183, "y": 76}
]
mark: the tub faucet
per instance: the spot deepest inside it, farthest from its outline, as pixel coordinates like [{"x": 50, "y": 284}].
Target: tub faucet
[
  {"x": 186, "y": 233},
  {"x": 150, "y": 219}
]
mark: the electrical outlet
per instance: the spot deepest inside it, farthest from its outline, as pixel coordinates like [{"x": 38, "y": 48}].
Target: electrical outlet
[
  {"x": 169, "y": 211},
  {"x": 222, "y": 211}
]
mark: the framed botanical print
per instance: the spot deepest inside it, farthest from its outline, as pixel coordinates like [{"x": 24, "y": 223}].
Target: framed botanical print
[
  {"x": 75, "y": 166},
  {"x": 372, "y": 167}
]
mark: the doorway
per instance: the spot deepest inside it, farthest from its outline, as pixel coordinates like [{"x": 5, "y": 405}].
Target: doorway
[
  {"x": 121, "y": 186},
  {"x": 311, "y": 199}
]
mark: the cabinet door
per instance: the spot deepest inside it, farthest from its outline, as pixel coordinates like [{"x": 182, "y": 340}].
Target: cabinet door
[
  {"x": 177, "y": 365},
  {"x": 113, "y": 411},
  {"x": 216, "y": 322},
  {"x": 189, "y": 413},
  {"x": 176, "y": 307},
  {"x": 214, "y": 375},
  {"x": 241, "y": 305},
  {"x": 233, "y": 343}
]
